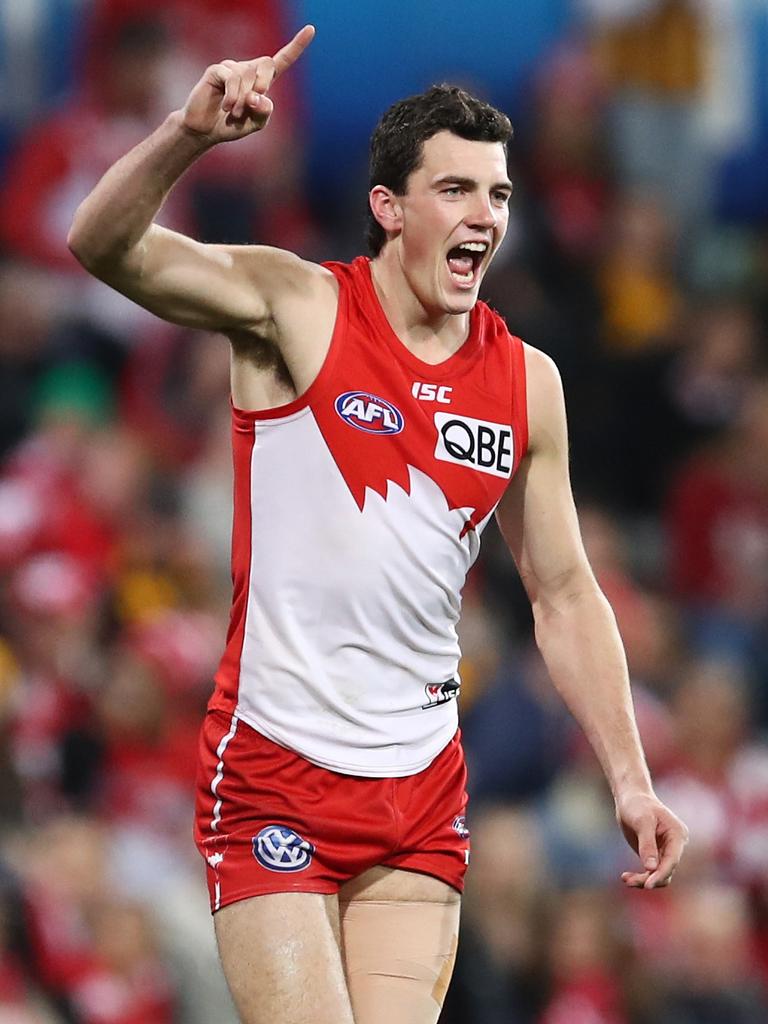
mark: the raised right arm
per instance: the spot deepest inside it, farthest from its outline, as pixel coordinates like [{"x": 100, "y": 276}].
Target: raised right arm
[{"x": 217, "y": 287}]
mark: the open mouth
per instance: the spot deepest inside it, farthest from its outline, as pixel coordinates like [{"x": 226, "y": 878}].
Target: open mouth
[{"x": 464, "y": 262}]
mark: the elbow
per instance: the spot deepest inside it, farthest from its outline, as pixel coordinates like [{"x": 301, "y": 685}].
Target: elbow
[
  {"x": 92, "y": 253},
  {"x": 76, "y": 247},
  {"x": 77, "y": 243},
  {"x": 89, "y": 243},
  {"x": 565, "y": 596}
]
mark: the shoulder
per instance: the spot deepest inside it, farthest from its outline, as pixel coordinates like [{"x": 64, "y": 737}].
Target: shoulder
[
  {"x": 546, "y": 402},
  {"x": 301, "y": 296},
  {"x": 542, "y": 376},
  {"x": 541, "y": 370}
]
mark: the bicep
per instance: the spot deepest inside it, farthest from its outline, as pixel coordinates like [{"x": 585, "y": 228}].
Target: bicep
[
  {"x": 214, "y": 287},
  {"x": 537, "y": 515}
]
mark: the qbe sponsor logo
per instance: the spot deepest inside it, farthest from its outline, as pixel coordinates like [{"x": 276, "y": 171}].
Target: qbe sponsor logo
[
  {"x": 478, "y": 444},
  {"x": 367, "y": 412},
  {"x": 279, "y": 848}
]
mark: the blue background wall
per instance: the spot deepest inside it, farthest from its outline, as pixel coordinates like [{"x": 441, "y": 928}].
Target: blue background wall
[{"x": 368, "y": 54}]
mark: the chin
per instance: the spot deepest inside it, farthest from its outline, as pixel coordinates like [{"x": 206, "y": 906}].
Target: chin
[{"x": 456, "y": 304}]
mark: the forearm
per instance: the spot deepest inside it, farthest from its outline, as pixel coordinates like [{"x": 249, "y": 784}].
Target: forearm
[
  {"x": 583, "y": 652},
  {"x": 112, "y": 220}
]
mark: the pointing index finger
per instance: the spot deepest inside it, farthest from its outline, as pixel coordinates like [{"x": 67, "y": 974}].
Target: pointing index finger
[{"x": 291, "y": 52}]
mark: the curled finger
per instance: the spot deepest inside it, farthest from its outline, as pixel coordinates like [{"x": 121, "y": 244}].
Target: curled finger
[
  {"x": 256, "y": 104},
  {"x": 230, "y": 82},
  {"x": 245, "y": 85},
  {"x": 672, "y": 850},
  {"x": 635, "y": 879},
  {"x": 663, "y": 876},
  {"x": 264, "y": 74},
  {"x": 261, "y": 108}
]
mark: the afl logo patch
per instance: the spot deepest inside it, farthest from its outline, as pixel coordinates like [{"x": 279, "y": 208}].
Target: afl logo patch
[
  {"x": 364, "y": 411},
  {"x": 278, "y": 848}
]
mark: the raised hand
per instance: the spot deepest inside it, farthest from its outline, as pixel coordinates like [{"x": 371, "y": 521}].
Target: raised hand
[{"x": 230, "y": 101}]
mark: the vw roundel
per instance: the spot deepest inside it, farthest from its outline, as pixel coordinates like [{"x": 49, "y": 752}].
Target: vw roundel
[
  {"x": 279, "y": 848},
  {"x": 364, "y": 411}
]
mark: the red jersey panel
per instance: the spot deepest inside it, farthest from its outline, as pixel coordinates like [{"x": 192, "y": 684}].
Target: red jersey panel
[{"x": 358, "y": 512}]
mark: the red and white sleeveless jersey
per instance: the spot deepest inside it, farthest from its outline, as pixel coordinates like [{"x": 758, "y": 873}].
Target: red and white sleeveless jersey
[{"x": 358, "y": 511}]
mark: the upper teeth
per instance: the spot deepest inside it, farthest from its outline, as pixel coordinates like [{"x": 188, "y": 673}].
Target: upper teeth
[{"x": 474, "y": 246}]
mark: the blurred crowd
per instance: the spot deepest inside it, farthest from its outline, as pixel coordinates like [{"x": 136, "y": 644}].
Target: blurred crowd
[{"x": 638, "y": 261}]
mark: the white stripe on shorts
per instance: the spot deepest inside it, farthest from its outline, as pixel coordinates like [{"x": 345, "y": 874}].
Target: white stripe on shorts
[{"x": 220, "y": 775}]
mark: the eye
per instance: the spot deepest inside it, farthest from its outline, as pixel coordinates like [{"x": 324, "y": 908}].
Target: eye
[
  {"x": 452, "y": 190},
  {"x": 501, "y": 197}
]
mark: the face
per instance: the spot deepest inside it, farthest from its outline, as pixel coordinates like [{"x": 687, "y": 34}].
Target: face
[{"x": 452, "y": 220}]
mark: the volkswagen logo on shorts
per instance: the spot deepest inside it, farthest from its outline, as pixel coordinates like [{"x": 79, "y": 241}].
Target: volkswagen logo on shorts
[
  {"x": 278, "y": 848},
  {"x": 364, "y": 411}
]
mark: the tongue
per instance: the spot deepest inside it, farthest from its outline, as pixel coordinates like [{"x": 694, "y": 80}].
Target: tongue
[{"x": 460, "y": 265}]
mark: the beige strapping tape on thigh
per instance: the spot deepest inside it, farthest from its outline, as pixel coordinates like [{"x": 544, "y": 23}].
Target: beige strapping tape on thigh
[{"x": 398, "y": 958}]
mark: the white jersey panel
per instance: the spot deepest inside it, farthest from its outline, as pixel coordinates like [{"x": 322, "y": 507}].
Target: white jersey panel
[{"x": 350, "y": 653}]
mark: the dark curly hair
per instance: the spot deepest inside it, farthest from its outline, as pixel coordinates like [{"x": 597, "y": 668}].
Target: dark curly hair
[{"x": 398, "y": 139}]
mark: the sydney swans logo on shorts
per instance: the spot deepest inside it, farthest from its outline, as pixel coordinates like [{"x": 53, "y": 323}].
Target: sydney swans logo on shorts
[
  {"x": 278, "y": 848},
  {"x": 478, "y": 444},
  {"x": 364, "y": 411},
  {"x": 441, "y": 693}
]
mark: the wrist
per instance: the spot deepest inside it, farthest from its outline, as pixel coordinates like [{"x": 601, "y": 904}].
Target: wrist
[
  {"x": 633, "y": 786},
  {"x": 194, "y": 143}
]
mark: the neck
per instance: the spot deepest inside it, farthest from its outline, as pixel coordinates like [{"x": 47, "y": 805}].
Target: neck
[{"x": 432, "y": 335}]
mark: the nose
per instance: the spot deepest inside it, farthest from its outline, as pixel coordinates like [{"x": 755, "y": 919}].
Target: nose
[{"x": 482, "y": 213}]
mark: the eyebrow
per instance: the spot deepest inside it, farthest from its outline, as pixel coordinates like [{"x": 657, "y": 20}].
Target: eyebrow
[{"x": 470, "y": 183}]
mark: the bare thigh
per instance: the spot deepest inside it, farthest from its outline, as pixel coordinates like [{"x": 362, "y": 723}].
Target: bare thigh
[
  {"x": 282, "y": 960},
  {"x": 399, "y": 933}
]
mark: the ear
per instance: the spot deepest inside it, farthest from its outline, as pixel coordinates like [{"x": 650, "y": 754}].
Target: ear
[{"x": 386, "y": 208}]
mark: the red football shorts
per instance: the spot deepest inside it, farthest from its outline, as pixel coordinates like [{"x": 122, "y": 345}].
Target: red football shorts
[{"x": 268, "y": 820}]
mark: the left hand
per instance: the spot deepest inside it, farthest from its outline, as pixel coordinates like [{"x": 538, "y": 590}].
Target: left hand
[{"x": 655, "y": 834}]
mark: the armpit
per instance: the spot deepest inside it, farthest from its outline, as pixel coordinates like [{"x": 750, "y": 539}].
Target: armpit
[{"x": 256, "y": 352}]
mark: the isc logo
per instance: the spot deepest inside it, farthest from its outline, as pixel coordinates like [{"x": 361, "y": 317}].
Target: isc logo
[
  {"x": 478, "y": 444},
  {"x": 431, "y": 392},
  {"x": 368, "y": 412}
]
